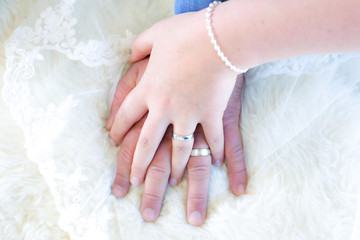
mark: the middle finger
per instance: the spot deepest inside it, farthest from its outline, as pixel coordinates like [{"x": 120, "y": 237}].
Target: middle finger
[
  {"x": 198, "y": 181},
  {"x": 156, "y": 180}
]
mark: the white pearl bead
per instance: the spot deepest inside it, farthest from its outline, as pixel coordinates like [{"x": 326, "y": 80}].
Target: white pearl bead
[{"x": 214, "y": 42}]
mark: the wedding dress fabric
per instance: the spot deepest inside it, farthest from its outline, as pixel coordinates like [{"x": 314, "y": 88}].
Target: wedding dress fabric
[{"x": 299, "y": 125}]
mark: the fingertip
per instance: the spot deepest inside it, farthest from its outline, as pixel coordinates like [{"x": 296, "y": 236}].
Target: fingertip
[
  {"x": 118, "y": 191},
  {"x": 218, "y": 162},
  {"x": 195, "y": 218},
  {"x": 149, "y": 215},
  {"x": 109, "y": 123},
  {"x": 239, "y": 189},
  {"x": 173, "y": 181},
  {"x": 135, "y": 181}
]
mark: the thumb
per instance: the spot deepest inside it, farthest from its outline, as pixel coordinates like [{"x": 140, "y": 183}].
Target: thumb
[
  {"x": 141, "y": 46},
  {"x": 126, "y": 84}
]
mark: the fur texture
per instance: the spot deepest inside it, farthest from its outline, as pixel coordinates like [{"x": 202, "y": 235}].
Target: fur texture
[{"x": 299, "y": 124}]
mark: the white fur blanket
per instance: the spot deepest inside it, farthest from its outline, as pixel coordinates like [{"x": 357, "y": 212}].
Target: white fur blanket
[{"x": 300, "y": 125}]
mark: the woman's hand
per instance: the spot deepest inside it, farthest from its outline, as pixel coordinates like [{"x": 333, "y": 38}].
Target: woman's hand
[
  {"x": 184, "y": 84},
  {"x": 159, "y": 170},
  {"x": 157, "y": 176}
]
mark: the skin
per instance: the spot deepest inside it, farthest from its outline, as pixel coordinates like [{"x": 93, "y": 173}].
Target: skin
[
  {"x": 182, "y": 58},
  {"x": 198, "y": 168}
]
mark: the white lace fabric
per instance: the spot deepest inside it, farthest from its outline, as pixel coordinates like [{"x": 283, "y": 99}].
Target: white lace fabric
[
  {"x": 53, "y": 36},
  {"x": 57, "y": 89}
]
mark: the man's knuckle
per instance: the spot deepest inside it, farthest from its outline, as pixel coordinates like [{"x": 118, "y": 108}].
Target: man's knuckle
[
  {"x": 237, "y": 154},
  {"x": 237, "y": 167},
  {"x": 159, "y": 172},
  {"x": 121, "y": 178},
  {"x": 181, "y": 148},
  {"x": 197, "y": 198},
  {"x": 134, "y": 133},
  {"x": 126, "y": 154},
  {"x": 201, "y": 171},
  {"x": 151, "y": 198}
]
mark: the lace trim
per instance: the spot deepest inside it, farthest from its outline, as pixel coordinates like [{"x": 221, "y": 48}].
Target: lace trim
[
  {"x": 294, "y": 66},
  {"x": 54, "y": 30}
]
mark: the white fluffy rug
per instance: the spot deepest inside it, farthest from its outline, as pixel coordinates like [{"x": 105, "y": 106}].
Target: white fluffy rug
[{"x": 300, "y": 124}]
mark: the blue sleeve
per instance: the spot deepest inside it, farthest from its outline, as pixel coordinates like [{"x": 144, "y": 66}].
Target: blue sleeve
[{"x": 182, "y": 6}]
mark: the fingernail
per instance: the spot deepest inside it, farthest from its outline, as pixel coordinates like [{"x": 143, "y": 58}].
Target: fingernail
[
  {"x": 135, "y": 181},
  {"x": 112, "y": 142},
  {"x": 107, "y": 125},
  {"x": 195, "y": 218},
  {"x": 240, "y": 189},
  {"x": 148, "y": 215},
  {"x": 173, "y": 181},
  {"x": 217, "y": 163},
  {"x": 118, "y": 191}
]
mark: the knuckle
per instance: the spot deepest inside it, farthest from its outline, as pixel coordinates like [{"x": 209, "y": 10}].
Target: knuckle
[
  {"x": 126, "y": 154},
  {"x": 122, "y": 179},
  {"x": 134, "y": 133},
  {"x": 231, "y": 118},
  {"x": 158, "y": 172},
  {"x": 236, "y": 154},
  {"x": 199, "y": 172},
  {"x": 151, "y": 198},
  {"x": 181, "y": 148},
  {"x": 237, "y": 165},
  {"x": 197, "y": 198},
  {"x": 237, "y": 169}
]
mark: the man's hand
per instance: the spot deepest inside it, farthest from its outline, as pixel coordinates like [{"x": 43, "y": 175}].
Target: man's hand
[{"x": 157, "y": 175}]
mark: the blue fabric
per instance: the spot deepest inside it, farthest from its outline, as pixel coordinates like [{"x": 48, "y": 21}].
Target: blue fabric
[{"x": 182, "y": 6}]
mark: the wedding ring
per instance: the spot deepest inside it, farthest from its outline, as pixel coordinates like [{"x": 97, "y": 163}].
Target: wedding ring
[
  {"x": 182, "y": 138},
  {"x": 200, "y": 152}
]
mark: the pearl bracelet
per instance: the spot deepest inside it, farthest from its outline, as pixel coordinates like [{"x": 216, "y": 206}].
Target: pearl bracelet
[{"x": 214, "y": 42}]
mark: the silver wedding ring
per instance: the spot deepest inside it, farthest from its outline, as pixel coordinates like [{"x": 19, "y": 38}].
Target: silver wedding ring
[
  {"x": 200, "y": 152},
  {"x": 182, "y": 138}
]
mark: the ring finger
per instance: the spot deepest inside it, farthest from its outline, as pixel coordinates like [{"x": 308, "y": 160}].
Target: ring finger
[{"x": 182, "y": 143}]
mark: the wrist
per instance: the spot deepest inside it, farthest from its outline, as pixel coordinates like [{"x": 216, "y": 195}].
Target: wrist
[
  {"x": 251, "y": 33},
  {"x": 201, "y": 39},
  {"x": 220, "y": 53}
]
